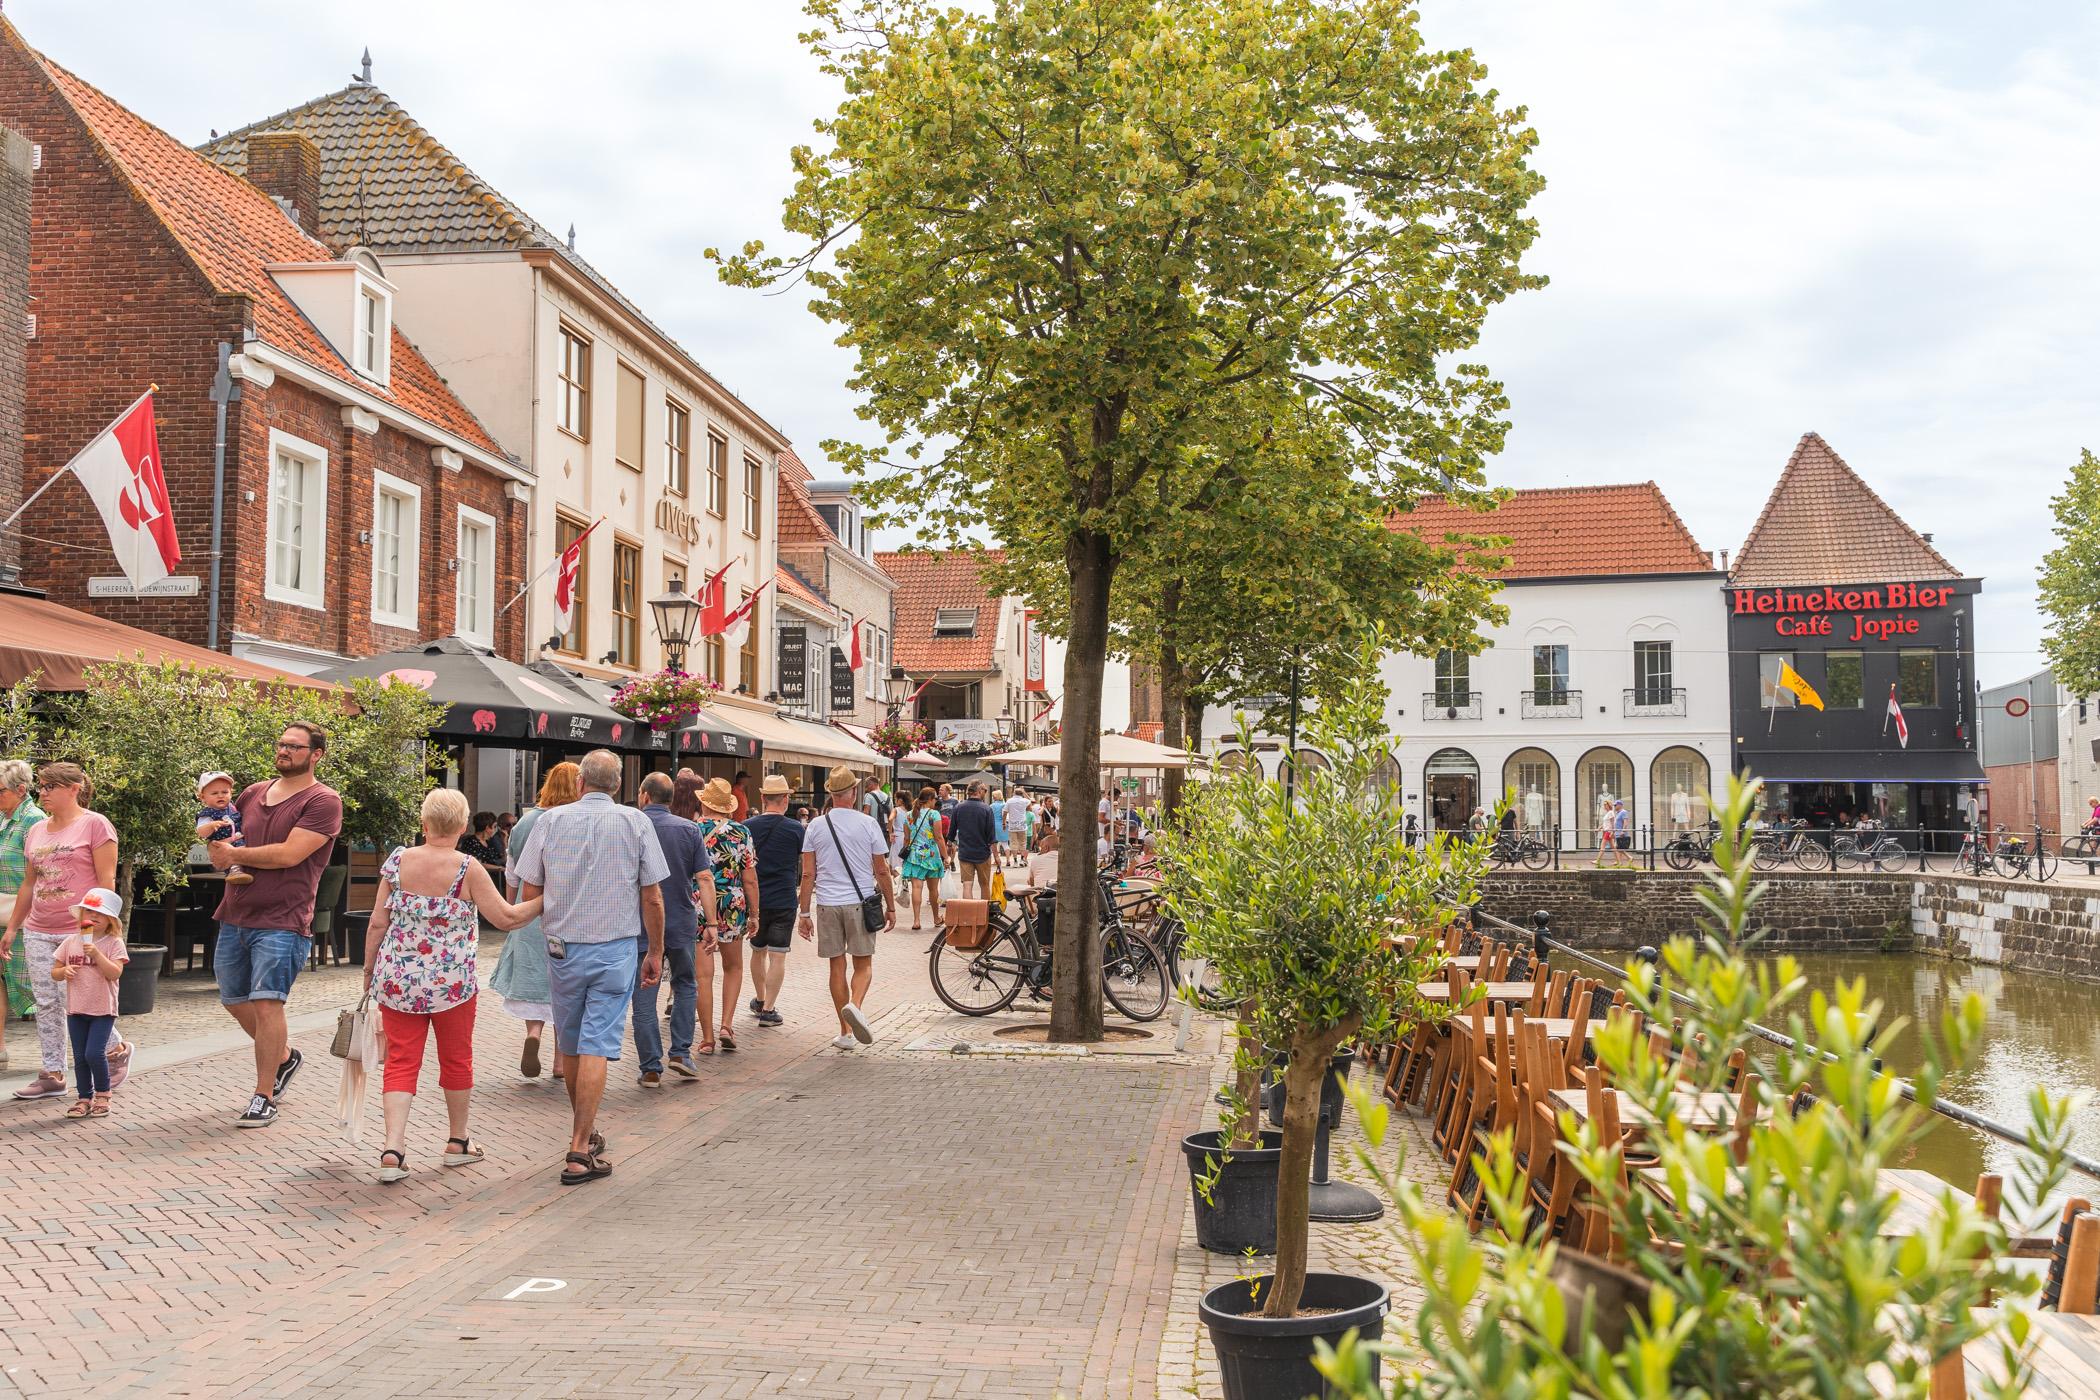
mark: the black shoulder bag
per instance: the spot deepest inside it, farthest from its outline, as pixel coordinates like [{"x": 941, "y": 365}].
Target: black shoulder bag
[{"x": 872, "y": 914}]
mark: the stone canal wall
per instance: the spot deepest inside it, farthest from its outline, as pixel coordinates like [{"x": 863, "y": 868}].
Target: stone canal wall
[
  {"x": 1627, "y": 908},
  {"x": 2052, "y": 929}
]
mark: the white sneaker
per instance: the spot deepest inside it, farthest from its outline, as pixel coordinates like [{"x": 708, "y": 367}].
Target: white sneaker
[
  {"x": 844, "y": 1042},
  {"x": 862, "y": 1031}
]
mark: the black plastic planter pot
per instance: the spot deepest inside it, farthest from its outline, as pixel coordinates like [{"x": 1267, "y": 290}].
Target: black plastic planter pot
[
  {"x": 1241, "y": 1214},
  {"x": 1262, "y": 1358},
  {"x": 139, "y": 984}
]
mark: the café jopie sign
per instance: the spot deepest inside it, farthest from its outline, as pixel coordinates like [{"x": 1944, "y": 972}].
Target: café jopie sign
[{"x": 1874, "y": 613}]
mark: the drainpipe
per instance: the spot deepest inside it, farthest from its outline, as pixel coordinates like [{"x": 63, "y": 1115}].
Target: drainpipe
[{"x": 223, "y": 392}]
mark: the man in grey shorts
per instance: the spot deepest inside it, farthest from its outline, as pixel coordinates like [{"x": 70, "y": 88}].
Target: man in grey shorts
[{"x": 845, "y": 858}]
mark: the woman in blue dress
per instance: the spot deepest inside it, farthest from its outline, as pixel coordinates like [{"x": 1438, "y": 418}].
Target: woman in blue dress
[{"x": 925, "y": 854}]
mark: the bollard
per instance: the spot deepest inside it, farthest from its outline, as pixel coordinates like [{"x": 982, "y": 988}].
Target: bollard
[
  {"x": 1648, "y": 954},
  {"x": 1541, "y": 929}
]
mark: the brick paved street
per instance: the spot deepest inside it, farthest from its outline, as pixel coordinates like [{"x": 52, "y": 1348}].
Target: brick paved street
[{"x": 799, "y": 1222}]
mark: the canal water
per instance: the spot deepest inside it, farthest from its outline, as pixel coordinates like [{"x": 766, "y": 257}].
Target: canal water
[{"x": 2038, "y": 1030}]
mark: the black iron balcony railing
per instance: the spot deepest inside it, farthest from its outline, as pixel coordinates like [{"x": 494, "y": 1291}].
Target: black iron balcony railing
[{"x": 1540, "y": 702}]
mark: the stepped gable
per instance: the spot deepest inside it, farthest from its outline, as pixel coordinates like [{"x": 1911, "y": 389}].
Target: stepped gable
[{"x": 1823, "y": 524}]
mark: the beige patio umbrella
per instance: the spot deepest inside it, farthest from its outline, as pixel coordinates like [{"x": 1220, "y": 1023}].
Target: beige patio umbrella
[{"x": 1118, "y": 751}]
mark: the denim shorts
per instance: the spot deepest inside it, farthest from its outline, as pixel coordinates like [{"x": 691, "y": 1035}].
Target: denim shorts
[
  {"x": 258, "y": 964},
  {"x": 593, "y": 986}
]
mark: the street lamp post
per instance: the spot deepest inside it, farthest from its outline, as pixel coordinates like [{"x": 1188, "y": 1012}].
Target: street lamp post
[
  {"x": 1008, "y": 725},
  {"x": 677, "y": 617},
  {"x": 896, "y": 688}
]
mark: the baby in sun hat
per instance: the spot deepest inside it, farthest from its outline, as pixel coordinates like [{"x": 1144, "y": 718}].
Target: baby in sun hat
[{"x": 219, "y": 819}]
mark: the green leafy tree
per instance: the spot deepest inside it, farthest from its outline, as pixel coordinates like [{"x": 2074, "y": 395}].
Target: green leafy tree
[
  {"x": 2070, "y": 581},
  {"x": 1769, "y": 1276},
  {"x": 1295, "y": 898},
  {"x": 380, "y": 760},
  {"x": 22, "y": 720},
  {"x": 1078, "y": 244}
]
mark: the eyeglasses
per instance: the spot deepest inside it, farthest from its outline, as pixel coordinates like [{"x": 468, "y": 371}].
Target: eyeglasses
[{"x": 294, "y": 748}]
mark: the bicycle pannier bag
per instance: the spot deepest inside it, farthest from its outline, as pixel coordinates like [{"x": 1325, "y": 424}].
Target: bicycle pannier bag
[{"x": 969, "y": 924}]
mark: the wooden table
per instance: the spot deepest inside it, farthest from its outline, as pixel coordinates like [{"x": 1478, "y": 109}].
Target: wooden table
[
  {"x": 1558, "y": 1028},
  {"x": 1917, "y": 1197},
  {"x": 1696, "y": 1109},
  {"x": 1492, "y": 991},
  {"x": 2066, "y": 1357}
]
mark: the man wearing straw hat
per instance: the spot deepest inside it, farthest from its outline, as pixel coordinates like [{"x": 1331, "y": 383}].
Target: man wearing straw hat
[{"x": 845, "y": 857}]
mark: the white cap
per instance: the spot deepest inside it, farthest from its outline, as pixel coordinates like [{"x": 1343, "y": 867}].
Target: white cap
[
  {"x": 101, "y": 901},
  {"x": 213, "y": 776}
]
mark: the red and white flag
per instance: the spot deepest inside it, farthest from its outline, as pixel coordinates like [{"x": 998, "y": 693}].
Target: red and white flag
[
  {"x": 854, "y": 659},
  {"x": 713, "y": 597},
  {"x": 121, "y": 471},
  {"x": 1896, "y": 715},
  {"x": 567, "y": 569},
  {"x": 734, "y": 625}
]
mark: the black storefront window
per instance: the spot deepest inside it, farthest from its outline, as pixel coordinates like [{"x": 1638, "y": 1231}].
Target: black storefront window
[
  {"x": 1843, "y": 685},
  {"x": 1917, "y": 679},
  {"x": 1770, "y": 696}
]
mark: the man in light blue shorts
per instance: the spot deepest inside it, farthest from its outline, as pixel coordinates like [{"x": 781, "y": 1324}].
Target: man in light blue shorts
[{"x": 598, "y": 864}]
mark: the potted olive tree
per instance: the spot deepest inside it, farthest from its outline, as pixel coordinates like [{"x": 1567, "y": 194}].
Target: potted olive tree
[{"x": 1298, "y": 895}]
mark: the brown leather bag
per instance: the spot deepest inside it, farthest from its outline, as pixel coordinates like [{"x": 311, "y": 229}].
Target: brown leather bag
[{"x": 969, "y": 924}]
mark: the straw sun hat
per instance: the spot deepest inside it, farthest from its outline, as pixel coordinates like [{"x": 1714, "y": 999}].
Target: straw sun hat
[{"x": 717, "y": 797}]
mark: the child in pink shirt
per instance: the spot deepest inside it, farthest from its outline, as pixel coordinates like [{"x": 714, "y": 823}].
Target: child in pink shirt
[{"x": 88, "y": 963}]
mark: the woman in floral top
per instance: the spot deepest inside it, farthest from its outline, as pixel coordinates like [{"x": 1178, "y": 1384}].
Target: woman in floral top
[
  {"x": 729, "y": 846},
  {"x": 419, "y": 966}
]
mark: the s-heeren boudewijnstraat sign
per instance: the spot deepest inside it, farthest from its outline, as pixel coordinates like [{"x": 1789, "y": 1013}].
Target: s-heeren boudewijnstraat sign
[{"x": 1842, "y": 613}]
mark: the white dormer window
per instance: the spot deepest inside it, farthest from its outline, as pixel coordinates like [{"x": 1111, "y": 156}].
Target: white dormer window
[
  {"x": 351, "y": 303},
  {"x": 955, "y": 622},
  {"x": 371, "y": 333}
]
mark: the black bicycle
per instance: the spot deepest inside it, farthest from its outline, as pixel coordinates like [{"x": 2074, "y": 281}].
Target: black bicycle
[
  {"x": 1790, "y": 842},
  {"x": 1169, "y": 935},
  {"x": 1865, "y": 846},
  {"x": 2021, "y": 859},
  {"x": 1519, "y": 848},
  {"x": 981, "y": 981},
  {"x": 1687, "y": 850}
]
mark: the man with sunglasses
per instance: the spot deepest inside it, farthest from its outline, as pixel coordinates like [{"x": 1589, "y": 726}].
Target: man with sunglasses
[{"x": 266, "y": 927}]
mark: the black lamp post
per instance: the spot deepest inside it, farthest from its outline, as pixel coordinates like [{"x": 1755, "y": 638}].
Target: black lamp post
[
  {"x": 677, "y": 617},
  {"x": 896, "y": 689},
  {"x": 1008, "y": 724}
]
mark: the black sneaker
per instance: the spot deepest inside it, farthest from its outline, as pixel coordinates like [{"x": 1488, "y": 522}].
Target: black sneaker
[
  {"x": 758, "y": 1003},
  {"x": 261, "y": 1114},
  {"x": 769, "y": 1018},
  {"x": 286, "y": 1070}
]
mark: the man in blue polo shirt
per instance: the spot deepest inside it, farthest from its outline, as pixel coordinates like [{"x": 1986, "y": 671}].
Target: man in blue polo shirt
[
  {"x": 776, "y": 838},
  {"x": 685, "y": 936}
]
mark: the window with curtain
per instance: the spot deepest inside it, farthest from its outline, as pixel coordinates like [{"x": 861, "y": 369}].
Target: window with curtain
[
  {"x": 1454, "y": 677},
  {"x": 627, "y": 604},
  {"x": 1769, "y": 695},
  {"x": 627, "y": 445},
  {"x": 1549, "y": 673}
]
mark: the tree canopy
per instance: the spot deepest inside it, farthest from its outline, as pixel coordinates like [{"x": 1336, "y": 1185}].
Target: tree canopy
[{"x": 2070, "y": 581}]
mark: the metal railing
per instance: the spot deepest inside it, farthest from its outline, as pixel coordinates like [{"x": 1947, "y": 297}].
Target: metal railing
[
  {"x": 1535, "y": 703},
  {"x": 1450, "y": 704},
  {"x": 1653, "y": 702},
  {"x": 1543, "y": 945}
]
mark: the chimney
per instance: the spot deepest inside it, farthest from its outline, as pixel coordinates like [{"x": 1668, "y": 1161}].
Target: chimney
[
  {"x": 15, "y": 306},
  {"x": 286, "y": 166}
]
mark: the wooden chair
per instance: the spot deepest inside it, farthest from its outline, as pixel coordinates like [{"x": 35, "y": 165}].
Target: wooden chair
[
  {"x": 1493, "y": 1109},
  {"x": 1454, "y": 1080},
  {"x": 2074, "y": 1263}
]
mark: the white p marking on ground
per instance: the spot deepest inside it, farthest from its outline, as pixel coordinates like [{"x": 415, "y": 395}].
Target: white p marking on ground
[{"x": 536, "y": 1285}]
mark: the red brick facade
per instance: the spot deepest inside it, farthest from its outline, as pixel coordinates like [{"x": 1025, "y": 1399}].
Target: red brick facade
[{"x": 120, "y": 304}]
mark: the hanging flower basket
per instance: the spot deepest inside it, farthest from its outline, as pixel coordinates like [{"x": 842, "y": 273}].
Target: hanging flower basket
[
  {"x": 665, "y": 700},
  {"x": 962, "y": 748},
  {"x": 895, "y": 738}
]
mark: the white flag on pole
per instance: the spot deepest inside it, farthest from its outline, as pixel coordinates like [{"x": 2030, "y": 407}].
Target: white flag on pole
[{"x": 121, "y": 471}]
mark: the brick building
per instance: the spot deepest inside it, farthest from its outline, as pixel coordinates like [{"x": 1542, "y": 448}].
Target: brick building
[
  {"x": 16, "y": 158},
  {"x": 365, "y": 507},
  {"x": 964, "y": 647}
]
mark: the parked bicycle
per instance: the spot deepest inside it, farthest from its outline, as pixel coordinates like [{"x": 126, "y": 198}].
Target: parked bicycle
[
  {"x": 1790, "y": 843},
  {"x": 1687, "y": 850},
  {"x": 1515, "y": 848},
  {"x": 2083, "y": 845},
  {"x": 1867, "y": 845},
  {"x": 2017, "y": 858},
  {"x": 1168, "y": 936},
  {"x": 980, "y": 981}
]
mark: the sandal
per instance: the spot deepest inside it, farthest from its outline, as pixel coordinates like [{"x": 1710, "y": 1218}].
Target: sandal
[
  {"x": 78, "y": 1109},
  {"x": 592, "y": 1168},
  {"x": 469, "y": 1152},
  {"x": 705, "y": 1047},
  {"x": 100, "y": 1107},
  {"x": 389, "y": 1175},
  {"x": 728, "y": 1039},
  {"x": 529, "y": 1062}
]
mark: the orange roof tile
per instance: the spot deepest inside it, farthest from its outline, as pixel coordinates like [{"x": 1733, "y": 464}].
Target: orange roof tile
[
  {"x": 231, "y": 231},
  {"x": 1572, "y": 531},
  {"x": 799, "y": 523},
  {"x": 1823, "y": 524},
  {"x": 793, "y": 469},
  {"x": 793, "y": 585},
  {"x": 927, "y": 581}
]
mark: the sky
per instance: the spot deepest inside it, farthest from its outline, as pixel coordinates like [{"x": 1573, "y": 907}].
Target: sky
[{"x": 1870, "y": 219}]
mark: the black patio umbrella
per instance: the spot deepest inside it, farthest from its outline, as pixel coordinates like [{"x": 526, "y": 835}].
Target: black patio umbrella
[
  {"x": 492, "y": 699},
  {"x": 705, "y": 733}
]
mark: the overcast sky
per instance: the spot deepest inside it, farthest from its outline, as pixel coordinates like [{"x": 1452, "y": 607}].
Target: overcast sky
[{"x": 1871, "y": 219}]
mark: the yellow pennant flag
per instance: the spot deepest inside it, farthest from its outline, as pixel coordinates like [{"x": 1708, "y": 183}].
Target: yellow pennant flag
[{"x": 1790, "y": 680}]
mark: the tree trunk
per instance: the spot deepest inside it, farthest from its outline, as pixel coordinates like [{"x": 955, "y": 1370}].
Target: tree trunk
[
  {"x": 1303, "y": 1078},
  {"x": 1075, "y": 1005},
  {"x": 1246, "y": 1080},
  {"x": 1173, "y": 693},
  {"x": 127, "y": 878}
]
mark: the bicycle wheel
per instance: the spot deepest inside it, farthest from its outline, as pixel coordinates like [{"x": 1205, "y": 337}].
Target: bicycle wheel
[
  {"x": 1768, "y": 856},
  {"x": 2044, "y": 863},
  {"x": 2011, "y": 864},
  {"x": 1812, "y": 855},
  {"x": 979, "y": 982},
  {"x": 1536, "y": 856},
  {"x": 1134, "y": 975}
]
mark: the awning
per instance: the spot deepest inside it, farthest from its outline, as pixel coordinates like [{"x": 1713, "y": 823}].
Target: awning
[
  {"x": 60, "y": 643},
  {"x": 917, "y": 758},
  {"x": 1857, "y": 766},
  {"x": 803, "y": 741},
  {"x": 705, "y": 733},
  {"x": 720, "y": 732},
  {"x": 491, "y": 699},
  {"x": 1118, "y": 751}
]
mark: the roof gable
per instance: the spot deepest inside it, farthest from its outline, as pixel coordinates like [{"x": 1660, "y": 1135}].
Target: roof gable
[
  {"x": 1823, "y": 524},
  {"x": 231, "y": 232},
  {"x": 799, "y": 523},
  {"x": 928, "y": 581},
  {"x": 1572, "y": 531}
]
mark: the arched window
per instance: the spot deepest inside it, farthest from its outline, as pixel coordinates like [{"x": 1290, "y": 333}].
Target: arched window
[
  {"x": 1531, "y": 782},
  {"x": 1386, "y": 775},
  {"x": 1232, "y": 761},
  {"x": 1312, "y": 760},
  {"x": 1677, "y": 787},
  {"x": 1602, "y": 775},
  {"x": 1451, "y": 788}
]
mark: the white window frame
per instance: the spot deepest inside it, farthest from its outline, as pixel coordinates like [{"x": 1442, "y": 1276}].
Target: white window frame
[
  {"x": 314, "y": 547},
  {"x": 378, "y": 365},
  {"x": 411, "y": 497},
  {"x": 878, "y": 658},
  {"x": 472, "y": 519}
]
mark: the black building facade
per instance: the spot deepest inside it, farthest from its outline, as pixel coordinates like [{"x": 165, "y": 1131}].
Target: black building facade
[{"x": 1836, "y": 586}]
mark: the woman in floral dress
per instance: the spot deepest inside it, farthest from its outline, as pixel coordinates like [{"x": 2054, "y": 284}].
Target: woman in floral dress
[
  {"x": 735, "y": 860},
  {"x": 419, "y": 967},
  {"x": 925, "y": 854}
]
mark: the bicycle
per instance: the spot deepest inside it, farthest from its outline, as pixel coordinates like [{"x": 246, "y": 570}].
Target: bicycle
[
  {"x": 1869, "y": 845},
  {"x": 1686, "y": 850},
  {"x": 2083, "y": 846},
  {"x": 2017, "y": 860},
  {"x": 1972, "y": 857},
  {"x": 1510, "y": 848},
  {"x": 1790, "y": 842},
  {"x": 1168, "y": 936},
  {"x": 981, "y": 981}
]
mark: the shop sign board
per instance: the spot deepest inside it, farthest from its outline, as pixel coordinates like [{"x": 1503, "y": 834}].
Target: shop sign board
[
  {"x": 1034, "y": 679},
  {"x": 968, "y": 731},
  {"x": 1842, "y": 614},
  {"x": 841, "y": 682},
  {"x": 794, "y": 663}
]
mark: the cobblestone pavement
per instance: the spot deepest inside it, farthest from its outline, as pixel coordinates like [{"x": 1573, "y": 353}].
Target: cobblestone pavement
[{"x": 799, "y": 1222}]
